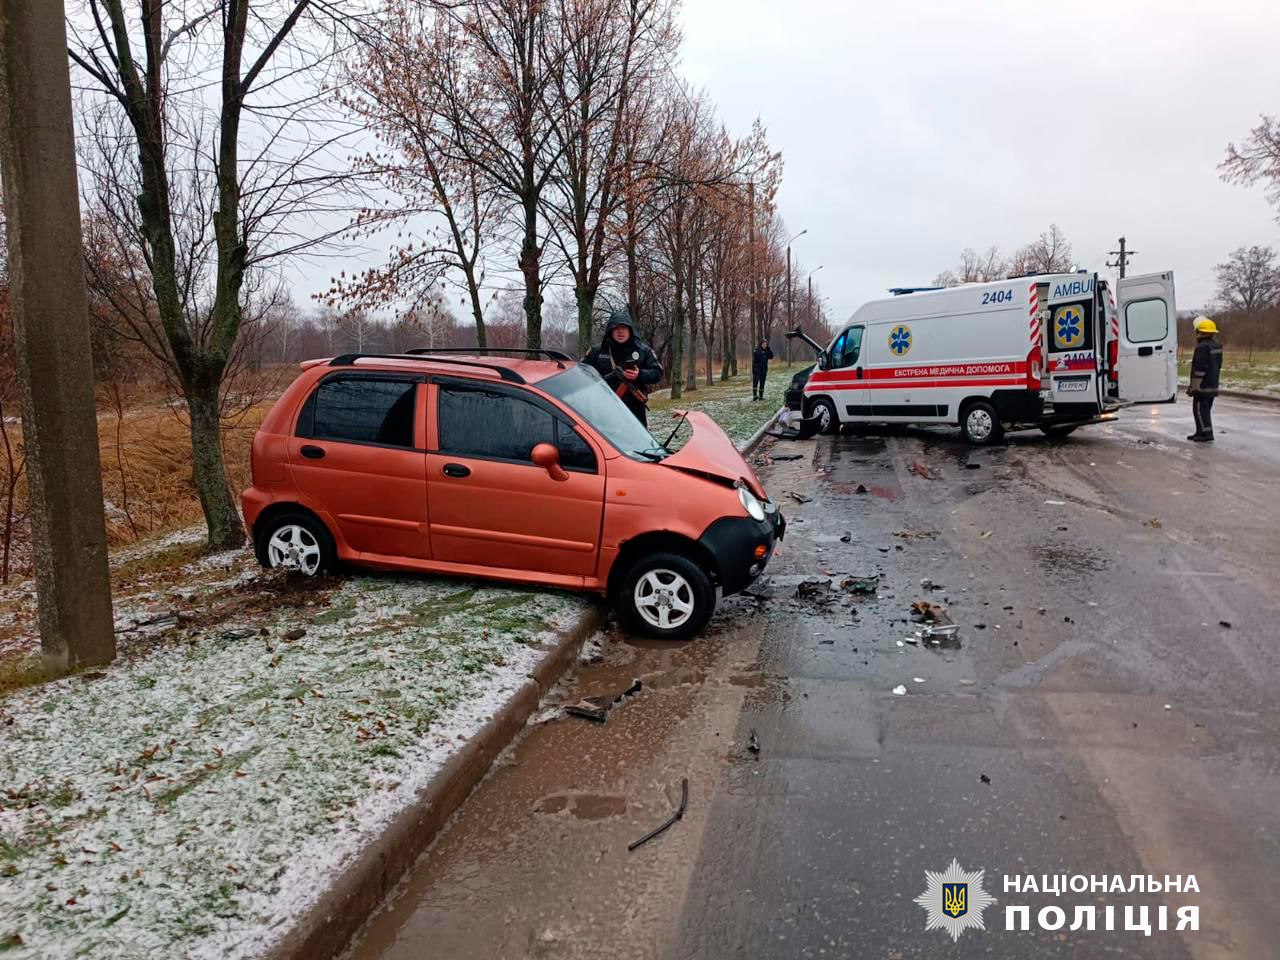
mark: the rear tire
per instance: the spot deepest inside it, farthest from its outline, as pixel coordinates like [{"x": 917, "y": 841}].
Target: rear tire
[
  {"x": 825, "y": 412},
  {"x": 980, "y": 424},
  {"x": 1058, "y": 431},
  {"x": 296, "y": 541},
  {"x": 665, "y": 596}
]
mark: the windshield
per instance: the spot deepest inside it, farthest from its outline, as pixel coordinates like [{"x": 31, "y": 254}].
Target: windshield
[{"x": 584, "y": 392}]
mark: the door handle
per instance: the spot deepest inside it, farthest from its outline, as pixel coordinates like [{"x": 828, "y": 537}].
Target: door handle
[
  {"x": 313, "y": 453},
  {"x": 1145, "y": 351},
  {"x": 456, "y": 470}
]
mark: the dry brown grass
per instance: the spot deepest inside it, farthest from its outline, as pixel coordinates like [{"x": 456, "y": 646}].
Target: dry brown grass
[{"x": 145, "y": 457}]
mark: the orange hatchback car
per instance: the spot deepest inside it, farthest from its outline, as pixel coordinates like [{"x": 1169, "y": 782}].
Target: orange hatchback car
[{"x": 528, "y": 470}]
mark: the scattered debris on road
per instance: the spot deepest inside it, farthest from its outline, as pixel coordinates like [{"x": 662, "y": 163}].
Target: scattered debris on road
[
  {"x": 973, "y": 466},
  {"x": 925, "y": 611},
  {"x": 1056, "y": 503},
  {"x": 846, "y": 537},
  {"x": 920, "y": 470},
  {"x": 860, "y": 488},
  {"x": 1225, "y": 624},
  {"x": 917, "y": 534},
  {"x": 984, "y": 778},
  {"x": 597, "y": 709},
  {"x": 783, "y": 457},
  {"x": 679, "y": 814},
  {"x": 753, "y": 742},
  {"x": 986, "y": 534},
  {"x": 860, "y": 585},
  {"x": 900, "y": 690},
  {"x": 1154, "y": 523},
  {"x": 799, "y": 497}
]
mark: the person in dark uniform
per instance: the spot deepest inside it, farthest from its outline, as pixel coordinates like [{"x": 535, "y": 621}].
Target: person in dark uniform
[
  {"x": 1206, "y": 367},
  {"x": 627, "y": 363},
  {"x": 760, "y": 358}
]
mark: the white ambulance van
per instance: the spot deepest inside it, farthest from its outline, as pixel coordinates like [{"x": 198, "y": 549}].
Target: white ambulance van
[{"x": 1048, "y": 352}]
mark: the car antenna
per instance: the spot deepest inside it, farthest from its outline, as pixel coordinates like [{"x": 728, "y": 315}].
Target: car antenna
[{"x": 683, "y": 417}]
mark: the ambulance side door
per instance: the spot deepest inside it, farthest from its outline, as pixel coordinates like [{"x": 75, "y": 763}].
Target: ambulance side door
[{"x": 1148, "y": 351}]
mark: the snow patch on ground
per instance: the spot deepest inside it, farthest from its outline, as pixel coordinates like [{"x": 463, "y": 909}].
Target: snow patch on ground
[{"x": 196, "y": 799}]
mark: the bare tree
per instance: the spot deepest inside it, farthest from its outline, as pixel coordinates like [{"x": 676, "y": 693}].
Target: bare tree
[
  {"x": 1256, "y": 159},
  {"x": 1249, "y": 281},
  {"x": 447, "y": 205},
  {"x": 219, "y": 100},
  {"x": 1049, "y": 253}
]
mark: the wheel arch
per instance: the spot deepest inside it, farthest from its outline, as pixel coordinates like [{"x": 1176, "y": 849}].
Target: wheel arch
[
  {"x": 660, "y": 541},
  {"x": 270, "y": 512}
]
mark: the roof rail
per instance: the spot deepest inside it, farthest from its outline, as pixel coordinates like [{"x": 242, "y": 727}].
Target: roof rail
[
  {"x": 903, "y": 291},
  {"x": 349, "y": 359},
  {"x": 555, "y": 355}
]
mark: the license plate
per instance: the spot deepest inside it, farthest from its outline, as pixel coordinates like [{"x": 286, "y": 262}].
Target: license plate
[{"x": 1072, "y": 386}]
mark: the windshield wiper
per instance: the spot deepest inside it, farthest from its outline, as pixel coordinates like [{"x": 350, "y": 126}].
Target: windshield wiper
[
  {"x": 652, "y": 454},
  {"x": 683, "y": 417}
]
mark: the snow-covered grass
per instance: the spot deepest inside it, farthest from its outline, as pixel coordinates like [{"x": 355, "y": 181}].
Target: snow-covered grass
[
  {"x": 197, "y": 795},
  {"x": 1240, "y": 372},
  {"x": 729, "y": 404}
]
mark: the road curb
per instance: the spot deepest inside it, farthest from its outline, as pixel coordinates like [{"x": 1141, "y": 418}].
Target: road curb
[
  {"x": 756, "y": 437},
  {"x": 326, "y": 929}
]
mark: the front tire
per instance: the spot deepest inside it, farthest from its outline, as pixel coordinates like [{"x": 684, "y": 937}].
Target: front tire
[
  {"x": 981, "y": 424},
  {"x": 297, "y": 542},
  {"x": 666, "y": 596},
  {"x": 825, "y": 412}
]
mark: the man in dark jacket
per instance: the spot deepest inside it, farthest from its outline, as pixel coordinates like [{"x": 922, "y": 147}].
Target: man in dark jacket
[
  {"x": 627, "y": 363},
  {"x": 760, "y": 358},
  {"x": 1206, "y": 366}
]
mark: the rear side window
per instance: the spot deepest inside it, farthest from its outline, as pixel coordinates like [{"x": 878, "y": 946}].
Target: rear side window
[
  {"x": 1146, "y": 321},
  {"x": 361, "y": 410},
  {"x": 495, "y": 425}
]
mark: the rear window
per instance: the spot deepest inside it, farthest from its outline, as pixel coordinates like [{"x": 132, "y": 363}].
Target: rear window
[
  {"x": 361, "y": 410},
  {"x": 1146, "y": 321}
]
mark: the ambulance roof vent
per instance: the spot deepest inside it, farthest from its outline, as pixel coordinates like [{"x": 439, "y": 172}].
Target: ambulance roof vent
[{"x": 901, "y": 291}]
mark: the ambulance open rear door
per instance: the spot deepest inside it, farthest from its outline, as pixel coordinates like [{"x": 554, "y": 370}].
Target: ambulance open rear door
[{"x": 1148, "y": 352}]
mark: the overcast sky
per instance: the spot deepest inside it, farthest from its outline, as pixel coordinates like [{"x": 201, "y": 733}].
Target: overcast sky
[{"x": 914, "y": 128}]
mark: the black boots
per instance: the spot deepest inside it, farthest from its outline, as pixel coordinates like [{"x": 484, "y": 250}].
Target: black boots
[{"x": 1201, "y": 437}]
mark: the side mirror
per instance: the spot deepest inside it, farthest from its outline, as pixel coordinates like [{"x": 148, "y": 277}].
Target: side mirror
[{"x": 548, "y": 457}]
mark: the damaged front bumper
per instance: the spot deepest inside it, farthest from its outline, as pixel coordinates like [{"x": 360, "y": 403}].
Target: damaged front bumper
[{"x": 741, "y": 547}]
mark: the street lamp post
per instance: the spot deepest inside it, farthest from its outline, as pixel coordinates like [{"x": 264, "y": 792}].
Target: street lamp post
[
  {"x": 790, "y": 325},
  {"x": 809, "y": 304}
]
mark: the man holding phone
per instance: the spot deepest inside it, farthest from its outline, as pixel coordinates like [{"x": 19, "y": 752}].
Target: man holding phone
[{"x": 627, "y": 363}]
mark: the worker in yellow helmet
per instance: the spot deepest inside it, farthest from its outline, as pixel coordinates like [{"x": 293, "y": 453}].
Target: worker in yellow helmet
[{"x": 1206, "y": 366}]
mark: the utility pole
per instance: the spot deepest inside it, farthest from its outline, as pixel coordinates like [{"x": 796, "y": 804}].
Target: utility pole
[
  {"x": 790, "y": 325},
  {"x": 1122, "y": 258},
  {"x": 51, "y": 336}
]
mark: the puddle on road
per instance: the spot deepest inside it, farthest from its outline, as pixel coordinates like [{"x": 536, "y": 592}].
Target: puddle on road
[{"x": 584, "y": 806}]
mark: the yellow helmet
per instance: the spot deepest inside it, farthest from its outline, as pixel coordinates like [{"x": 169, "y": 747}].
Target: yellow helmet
[{"x": 1203, "y": 324}]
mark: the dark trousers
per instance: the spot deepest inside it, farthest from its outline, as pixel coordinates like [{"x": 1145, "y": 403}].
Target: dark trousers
[
  {"x": 757, "y": 382},
  {"x": 1202, "y": 408}
]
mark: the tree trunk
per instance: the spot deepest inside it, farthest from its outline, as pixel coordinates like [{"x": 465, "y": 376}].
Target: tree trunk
[
  {"x": 530, "y": 255},
  {"x": 692, "y": 292},
  {"x": 585, "y": 298},
  {"x": 726, "y": 319},
  {"x": 208, "y": 470}
]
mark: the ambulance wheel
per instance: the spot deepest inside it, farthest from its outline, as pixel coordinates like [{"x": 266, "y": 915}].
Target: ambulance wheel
[
  {"x": 1058, "y": 431},
  {"x": 981, "y": 424},
  {"x": 825, "y": 412}
]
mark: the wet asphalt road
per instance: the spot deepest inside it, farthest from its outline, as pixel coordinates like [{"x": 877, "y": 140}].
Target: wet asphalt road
[{"x": 1041, "y": 745}]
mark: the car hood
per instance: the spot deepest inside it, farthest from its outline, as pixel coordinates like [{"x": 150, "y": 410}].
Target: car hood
[{"x": 710, "y": 451}]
